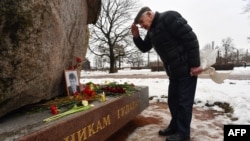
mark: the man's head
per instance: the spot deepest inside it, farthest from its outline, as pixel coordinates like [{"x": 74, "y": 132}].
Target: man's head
[{"x": 144, "y": 18}]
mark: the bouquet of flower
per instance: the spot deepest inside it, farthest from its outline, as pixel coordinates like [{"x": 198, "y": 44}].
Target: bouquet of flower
[{"x": 79, "y": 102}]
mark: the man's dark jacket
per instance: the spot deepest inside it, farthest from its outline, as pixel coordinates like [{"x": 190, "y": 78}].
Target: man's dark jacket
[{"x": 174, "y": 41}]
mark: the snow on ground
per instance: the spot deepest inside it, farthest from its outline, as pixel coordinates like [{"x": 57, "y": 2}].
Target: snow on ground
[{"x": 234, "y": 92}]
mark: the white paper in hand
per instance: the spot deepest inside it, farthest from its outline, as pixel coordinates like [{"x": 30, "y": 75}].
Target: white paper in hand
[{"x": 208, "y": 58}]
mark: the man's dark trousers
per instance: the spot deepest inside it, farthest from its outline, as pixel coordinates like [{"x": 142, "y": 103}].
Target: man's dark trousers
[{"x": 181, "y": 93}]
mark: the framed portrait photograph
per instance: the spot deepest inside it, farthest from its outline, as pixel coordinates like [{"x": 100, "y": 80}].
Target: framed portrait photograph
[{"x": 72, "y": 82}]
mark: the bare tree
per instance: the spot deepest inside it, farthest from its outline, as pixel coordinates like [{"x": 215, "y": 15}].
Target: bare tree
[
  {"x": 100, "y": 62},
  {"x": 112, "y": 30},
  {"x": 119, "y": 53},
  {"x": 136, "y": 59},
  {"x": 227, "y": 47}
]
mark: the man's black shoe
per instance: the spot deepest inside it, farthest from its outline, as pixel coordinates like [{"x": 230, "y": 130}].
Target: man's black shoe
[
  {"x": 166, "y": 132},
  {"x": 178, "y": 137}
]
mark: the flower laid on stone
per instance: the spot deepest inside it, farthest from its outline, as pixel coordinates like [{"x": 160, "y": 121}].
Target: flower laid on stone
[
  {"x": 89, "y": 91},
  {"x": 75, "y": 109},
  {"x": 53, "y": 109},
  {"x": 92, "y": 91},
  {"x": 115, "y": 89}
]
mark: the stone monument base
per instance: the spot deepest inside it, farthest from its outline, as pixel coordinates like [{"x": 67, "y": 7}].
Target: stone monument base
[{"x": 96, "y": 124}]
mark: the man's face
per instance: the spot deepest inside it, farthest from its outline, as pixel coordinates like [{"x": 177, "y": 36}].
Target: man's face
[
  {"x": 73, "y": 82},
  {"x": 145, "y": 20}
]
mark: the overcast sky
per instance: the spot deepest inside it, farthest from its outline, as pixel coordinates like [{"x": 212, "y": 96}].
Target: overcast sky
[{"x": 212, "y": 20}]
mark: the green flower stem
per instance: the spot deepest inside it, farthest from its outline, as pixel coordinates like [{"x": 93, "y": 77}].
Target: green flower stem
[{"x": 75, "y": 109}]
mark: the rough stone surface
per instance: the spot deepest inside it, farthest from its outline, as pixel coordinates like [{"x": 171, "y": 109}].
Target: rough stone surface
[{"x": 39, "y": 39}]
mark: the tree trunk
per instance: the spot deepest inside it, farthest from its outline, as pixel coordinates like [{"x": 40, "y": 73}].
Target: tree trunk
[{"x": 112, "y": 62}]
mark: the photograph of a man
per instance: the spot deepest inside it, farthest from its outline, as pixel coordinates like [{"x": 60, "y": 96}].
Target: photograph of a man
[{"x": 72, "y": 82}]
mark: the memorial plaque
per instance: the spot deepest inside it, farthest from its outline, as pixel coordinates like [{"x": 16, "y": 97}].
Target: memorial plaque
[{"x": 98, "y": 123}]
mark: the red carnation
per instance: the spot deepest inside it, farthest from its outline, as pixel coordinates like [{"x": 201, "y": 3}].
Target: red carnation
[
  {"x": 88, "y": 91},
  {"x": 53, "y": 109},
  {"x": 78, "y": 59}
]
